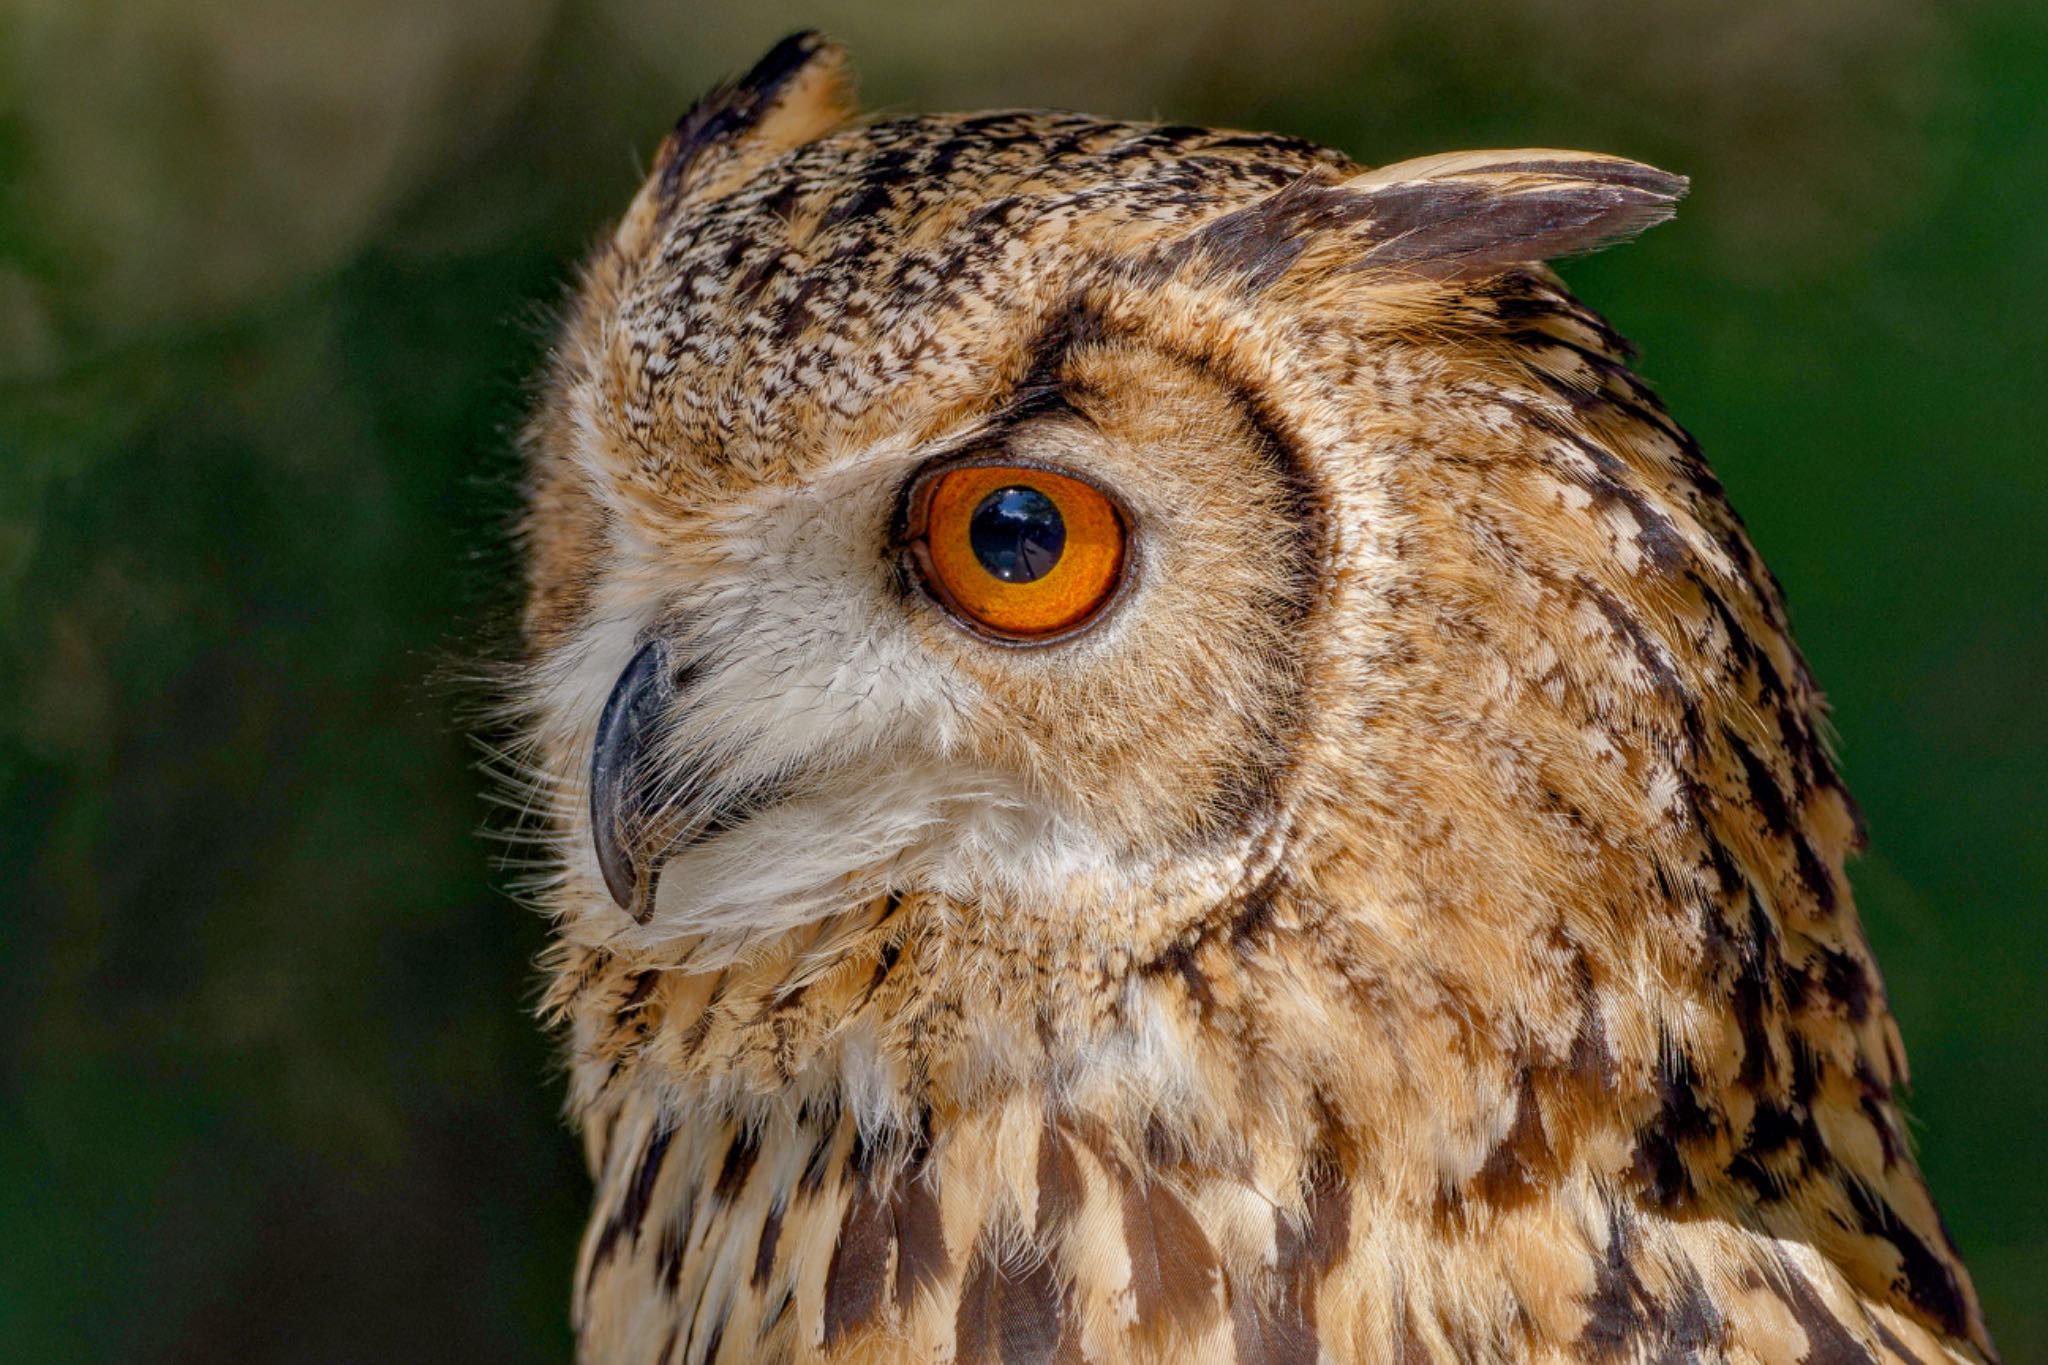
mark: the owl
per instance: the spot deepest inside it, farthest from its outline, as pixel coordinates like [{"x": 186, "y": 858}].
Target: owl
[{"x": 1147, "y": 748}]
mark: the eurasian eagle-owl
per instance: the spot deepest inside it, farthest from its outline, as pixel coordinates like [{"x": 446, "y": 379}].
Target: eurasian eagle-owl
[{"x": 1153, "y": 751}]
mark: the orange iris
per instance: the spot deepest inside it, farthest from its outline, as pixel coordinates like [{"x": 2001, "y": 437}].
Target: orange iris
[{"x": 1017, "y": 553}]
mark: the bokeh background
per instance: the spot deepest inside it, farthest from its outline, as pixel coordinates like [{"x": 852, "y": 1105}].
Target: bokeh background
[{"x": 273, "y": 274}]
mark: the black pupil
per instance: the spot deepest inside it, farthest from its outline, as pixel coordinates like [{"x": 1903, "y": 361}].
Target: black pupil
[{"x": 1017, "y": 534}]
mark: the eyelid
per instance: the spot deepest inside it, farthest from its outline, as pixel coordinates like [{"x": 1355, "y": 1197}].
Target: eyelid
[{"x": 925, "y": 476}]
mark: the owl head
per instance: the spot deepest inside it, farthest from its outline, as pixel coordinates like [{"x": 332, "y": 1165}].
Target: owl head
[{"x": 1031, "y": 509}]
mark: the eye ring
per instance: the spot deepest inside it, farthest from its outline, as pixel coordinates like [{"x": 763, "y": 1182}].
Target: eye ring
[{"x": 1016, "y": 552}]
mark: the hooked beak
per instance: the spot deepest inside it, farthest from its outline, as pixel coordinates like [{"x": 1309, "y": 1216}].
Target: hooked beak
[
  {"x": 621, "y": 782},
  {"x": 643, "y": 812}
]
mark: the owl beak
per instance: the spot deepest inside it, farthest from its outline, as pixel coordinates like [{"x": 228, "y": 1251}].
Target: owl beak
[
  {"x": 647, "y": 805},
  {"x": 622, "y": 787}
]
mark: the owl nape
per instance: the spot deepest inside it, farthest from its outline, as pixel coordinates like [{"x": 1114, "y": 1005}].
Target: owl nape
[{"x": 1152, "y": 750}]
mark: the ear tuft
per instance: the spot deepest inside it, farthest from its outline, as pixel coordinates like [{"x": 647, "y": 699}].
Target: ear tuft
[
  {"x": 1464, "y": 214},
  {"x": 1457, "y": 216},
  {"x": 801, "y": 90}
]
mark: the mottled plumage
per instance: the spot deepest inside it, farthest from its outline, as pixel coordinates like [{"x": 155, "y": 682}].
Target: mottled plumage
[{"x": 1410, "y": 925}]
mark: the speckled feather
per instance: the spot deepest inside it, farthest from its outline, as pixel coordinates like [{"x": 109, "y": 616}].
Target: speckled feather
[{"x": 1411, "y": 927}]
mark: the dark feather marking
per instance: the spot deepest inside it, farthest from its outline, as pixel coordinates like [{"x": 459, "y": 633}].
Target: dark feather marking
[
  {"x": 888, "y": 170},
  {"x": 1263, "y": 1332},
  {"x": 1681, "y": 1120},
  {"x": 1747, "y": 1166},
  {"x": 643, "y": 986},
  {"x": 858, "y": 1274},
  {"x": 1892, "y": 1343},
  {"x": 1656, "y": 535},
  {"x": 1511, "y": 1173},
  {"x": 1740, "y": 647},
  {"x": 1074, "y": 325},
  {"x": 1096, "y": 1136},
  {"x": 1173, "y": 1268},
  {"x": 897, "y": 1217},
  {"x": 792, "y": 309},
  {"x": 1059, "y": 1180},
  {"x": 739, "y": 1164},
  {"x": 1813, "y": 874},
  {"x": 1753, "y": 994},
  {"x": 781, "y": 206},
  {"x": 1764, "y": 792},
  {"x": 639, "y": 1196},
  {"x": 715, "y": 1339},
  {"x": 1263, "y": 142},
  {"x": 1699, "y": 801},
  {"x": 921, "y": 1257},
  {"x": 1808, "y": 1069},
  {"x": 731, "y": 109},
  {"x": 1719, "y": 943},
  {"x": 999, "y": 212},
  {"x": 1253, "y": 915},
  {"x": 704, "y": 1348},
  {"x": 1519, "y": 296},
  {"x": 1770, "y": 686},
  {"x": 1774, "y": 1127},
  {"x": 1693, "y": 1326},
  {"x": 1887, "y": 1137},
  {"x": 1930, "y": 1283},
  {"x": 700, "y": 1028},
  {"x": 1165, "y": 1145},
  {"x": 593, "y": 963},
  {"x": 1624, "y": 1319},
  {"x": 1656, "y": 661},
  {"x": 1842, "y": 975},
  {"x": 668, "y": 1254},
  {"x": 1611, "y": 1316},
  {"x": 1638, "y": 402},
  {"x": 812, "y": 1179},
  {"x": 764, "y": 1251},
  {"x": 1828, "y": 1342},
  {"x": 1280, "y": 1326},
  {"x": 1180, "y": 960},
  {"x": 605, "y": 1136},
  {"x": 885, "y": 962},
  {"x": 750, "y": 287},
  {"x": 1591, "y": 1058},
  {"x": 1009, "y": 1314},
  {"x": 1259, "y": 244},
  {"x": 1612, "y": 479}
]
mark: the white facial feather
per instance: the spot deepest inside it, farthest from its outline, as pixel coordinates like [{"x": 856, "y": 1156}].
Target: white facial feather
[{"x": 802, "y": 664}]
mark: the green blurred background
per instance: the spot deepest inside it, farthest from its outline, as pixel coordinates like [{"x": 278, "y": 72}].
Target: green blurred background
[{"x": 272, "y": 278}]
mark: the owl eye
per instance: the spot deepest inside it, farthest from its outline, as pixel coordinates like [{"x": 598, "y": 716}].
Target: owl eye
[{"x": 1016, "y": 553}]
